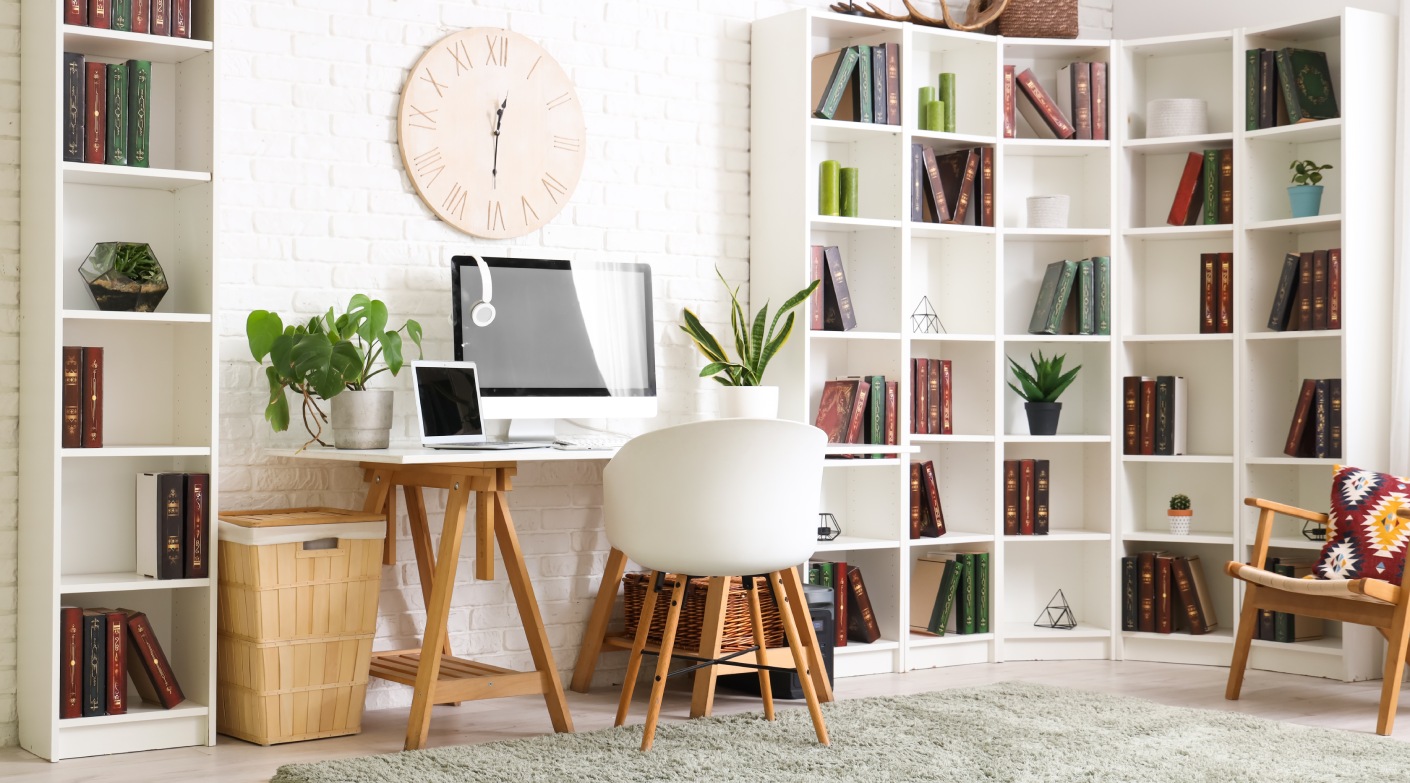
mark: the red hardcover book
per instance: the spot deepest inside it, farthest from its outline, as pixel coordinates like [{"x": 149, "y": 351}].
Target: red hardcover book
[
  {"x": 932, "y": 396},
  {"x": 71, "y": 432},
  {"x": 1319, "y": 289},
  {"x": 155, "y": 681},
  {"x": 917, "y": 520},
  {"x": 198, "y": 526},
  {"x": 92, "y": 385},
  {"x": 180, "y": 18},
  {"x": 835, "y": 409},
  {"x": 1147, "y": 415},
  {"x": 892, "y": 391},
  {"x": 1226, "y": 293},
  {"x": 1301, "y": 414},
  {"x": 934, "y": 190},
  {"x": 1131, "y": 414},
  {"x": 1027, "y": 499},
  {"x": 95, "y": 107},
  {"x": 100, "y": 14},
  {"x": 1186, "y": 600},
  {"x": 1145, "y": 592},
  {"x": 1334, "y": 288},
  {"x": 1164, "y": 607},
  {"x": 71, "y": 662},
  {"x": 986, "y": 186},
  {"x": 893, "y": 86},
  {"x": 1041, "y": 497},
  {"x": 76, "y": 12},
  {"x": 1305, "y": 287},
  {"x": 1041, "y": 111},
  {"x": 966, "y": 165},
  {"x": 161, "y": 17},
  {"x": 1080, "y": 84},
  {"x": 839, "y": 604},
  {"x": 1226, "y": 186},
  {"x": 932, "y": 497},
  {"x": 115, "y": 631},
  {"x": 1185, "y": 208},
  {"x": 1011, "y": 471},
  {"x": 858, "y": 413},
  {"x": 1099, "y": 101},
  {"x": 141, "y": 17},
  {"x": 1209, "y": 297},
  {"x": 815, "y": 300},
  {"x": 947, "y": 406},
  {"x": 861, "y": 619},
  {"x": 920, "y": 416},
  {"x": 1010, "y": 126}
]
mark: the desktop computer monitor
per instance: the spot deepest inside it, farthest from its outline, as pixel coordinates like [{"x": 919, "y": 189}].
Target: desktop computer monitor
[{"x": 569, "y": 340}]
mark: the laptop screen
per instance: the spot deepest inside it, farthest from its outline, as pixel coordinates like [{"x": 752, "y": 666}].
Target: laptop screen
[{"x": 448, "y": 403}]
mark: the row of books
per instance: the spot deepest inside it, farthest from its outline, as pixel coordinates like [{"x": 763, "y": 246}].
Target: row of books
[
  {"x": 932, "y": 397},
  {"x": 1316, "y": 425},
  {"x": 927, "y": 514},
  {"x": 944, "y": 187},
  {"x": 1205, "y": 193},
  {"x": 107, "y": 111},
  {"x": 173, "y": 525},
  {"x": 1027, "y": 492},
  {"x": 153, "y": 17},
  {"x": 82, "y": 398},
  {"x": 950, "y": 593},
  {"x": 1309, "y": 292},
  {"x": 859, "y": 84},
  {"x": 98, "y": 649},
  {"x": 1163, "y": 593},
  {"x": 1285, "y": 626},
  {"x": 1074, "y": 298},
  {"x": 860, "y": 409},
  {"x": 1285, "y": 86},
  {"x": 1153, "y": 415},
  {"x": 1079, "y": 111},
  {"x": 1216, "y": 303},
  {"x": 853, "y": 616},
  {"x": 831, "y": 307}
]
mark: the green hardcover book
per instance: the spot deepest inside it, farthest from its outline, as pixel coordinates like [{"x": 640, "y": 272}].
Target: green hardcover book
[
  {"x": 1211, "y": 187},
  {"x": 1053, "y": 325},
  {"x": 1251, "y": 59},
  {"x": 1282, "y": 621},
  {"x": 947, "y": 598},
  {"x": 835, "y": 84},
  {"x": 981, "y": 592},
  {"x": 1307, "y": 85},
  {"x": 876, "y": 412},
  {"x": 1046, "y": 293},
  {"x": 862, "y": 96},
  {"x": 1102, "y": 270},
  {"x": 117, "y": 114},
  {"x": 965, "y": 623},
  {"x": 825, "y": 574},
  {"x": 121, "y": 14},
  {"x": 139, "y": 113},
  {"x": 1086, "y": 297}
]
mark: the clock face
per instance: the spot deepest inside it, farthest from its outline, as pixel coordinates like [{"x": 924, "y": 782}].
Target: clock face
[{"x": 491, "y": 132}]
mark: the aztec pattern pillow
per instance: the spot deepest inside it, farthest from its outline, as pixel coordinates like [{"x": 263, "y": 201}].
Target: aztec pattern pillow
[{"x": 1365, "y": 538}]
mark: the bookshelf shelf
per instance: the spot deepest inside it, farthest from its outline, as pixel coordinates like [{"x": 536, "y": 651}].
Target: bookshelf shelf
[
  {"x": 1177, "y": 144},
  {"x": 1290, "y": 542},
  {"x": 848, "y": 131},
  {"x": 137, "y": 318},
  {"x": 952, "y": 538},
  {"x": 885, "y": 462},
  {"x": 1325, "y": 646},
  {"x": 114, "y": 452},
  {"x": 853, "y": 335},
  {"x": 919, "y": 640},
  {"x": 1028, "y": 631},
  {"x": 140, "y": 712},
  {"x": 1296, "y": 461},
  {"x": 855, "y": 450},
  {"x": 1190, "y": 459},
  {"x": 1301, "y": 133},
  {"x": 120, "y": 45},
  {"x": 951, "y": 438},
  {"x": 1058, "y": 536},
  {"x": 1181, "y": 232},
  {"x": 131, "y": 177},
  {"x": 834, "y": 223},
  {"x": 1055, "y": 234},
  {"x": 952, "y": 338},
  {"x": 1216, "y": 636},
  {"x": 1311, "y": 334},
  {"x": 955, "y": 140},
  {"x": 1305, "y": 225},
  {"x": 942, "y": 230},
  {"x": 1055, "y": 148},
  {"x": 1057, "y": 439},
  {"x": 1171, "y": 538},
  {"x": 75, "y": 584},
  {"x": 858, "y": 648},
  {"x": 855, "y": 543},
  {"x": 1179, "y": 338}
]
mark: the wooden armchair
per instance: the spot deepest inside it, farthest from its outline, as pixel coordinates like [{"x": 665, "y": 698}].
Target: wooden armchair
[{"x": 1372, "y": 602}]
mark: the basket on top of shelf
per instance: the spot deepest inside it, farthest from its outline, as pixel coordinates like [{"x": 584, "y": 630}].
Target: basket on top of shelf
[
  {"x": 1039, "y": 19},
  {"x": 738, "y": 633}
]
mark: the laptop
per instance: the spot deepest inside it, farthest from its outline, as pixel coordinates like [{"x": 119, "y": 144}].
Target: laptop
[{"x": 448, "y": 408}]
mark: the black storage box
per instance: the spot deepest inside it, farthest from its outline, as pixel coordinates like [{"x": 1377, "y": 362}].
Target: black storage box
[{"x": 787, "y": 686}]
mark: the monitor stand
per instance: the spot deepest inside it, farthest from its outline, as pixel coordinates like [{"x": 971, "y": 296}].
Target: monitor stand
[{"x": 520, "y": 430}]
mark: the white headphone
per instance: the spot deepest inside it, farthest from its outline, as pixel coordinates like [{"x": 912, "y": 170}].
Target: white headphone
[{"x": 482, "y": 312}]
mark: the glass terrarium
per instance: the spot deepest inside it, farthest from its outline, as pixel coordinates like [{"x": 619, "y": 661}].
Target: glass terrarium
[{"x": 124, "y": 276}]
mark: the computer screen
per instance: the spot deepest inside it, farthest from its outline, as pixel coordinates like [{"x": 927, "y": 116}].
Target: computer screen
[
  {"x": 569, "y": 339},
  {"x": 447, "y": 404}
]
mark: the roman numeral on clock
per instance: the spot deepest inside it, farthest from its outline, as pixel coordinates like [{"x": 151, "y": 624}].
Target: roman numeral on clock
[
  {"x": 498, "y": 50},
  {"x": 494, "y": 216},
  {"x": 568, "y": 143},
  {"x": 554, "y": 103},
  {"x": 554, "y": 187},
  {"x": 429, "y": 163},
  {"x": 422, "y": 119},
  {"x": 461, "y": 55},
  {"x": 454, "y": 202},
  {"x": 431, "y": 79},
  {"x": 528, "y": 75},
  {"x": 528, "y": 209}
]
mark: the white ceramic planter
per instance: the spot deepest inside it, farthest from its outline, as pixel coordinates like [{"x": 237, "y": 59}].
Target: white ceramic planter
[
  {"x": 1048, "y": 211},
  {"x": 1167, "y": 117},
  {"x": 748, "y": 402},
  {"x": 1180, "y": 522},
  {"x": 362, "y": 419}
]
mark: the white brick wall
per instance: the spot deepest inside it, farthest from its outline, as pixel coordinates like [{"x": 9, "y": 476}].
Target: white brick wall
[{"x": 316, "y": 208}]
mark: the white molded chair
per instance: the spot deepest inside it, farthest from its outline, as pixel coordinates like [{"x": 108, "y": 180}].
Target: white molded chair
[{"x": 729, "y": 497}]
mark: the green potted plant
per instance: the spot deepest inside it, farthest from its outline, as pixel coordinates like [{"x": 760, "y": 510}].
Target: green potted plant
[
  {"x": 124, "y": 276},
  {"x": 332, "y": 357},
  {"x": 1181, "y": 515},
  {"x": 1040, "y": 390},
  {"x": 1305, "y": 195},
  {"x": 743, "y": 395}
]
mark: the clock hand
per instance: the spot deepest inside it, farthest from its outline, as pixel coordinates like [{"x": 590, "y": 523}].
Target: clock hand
[{"x": 499, "y": 122}]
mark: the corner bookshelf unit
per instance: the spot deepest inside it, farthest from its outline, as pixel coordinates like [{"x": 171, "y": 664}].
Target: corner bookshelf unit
[
  {"x": 982, "y": 283},
  {"x": 77, "y": 528}
]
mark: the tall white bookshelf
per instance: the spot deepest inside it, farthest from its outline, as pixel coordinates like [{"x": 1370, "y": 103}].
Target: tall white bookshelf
[
  {"x": 982, "y": 283},
  {"x": 77, "y": 536}
]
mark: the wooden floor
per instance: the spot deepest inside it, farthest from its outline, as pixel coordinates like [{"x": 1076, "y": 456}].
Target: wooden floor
[{"x": 1305, "y": 700}]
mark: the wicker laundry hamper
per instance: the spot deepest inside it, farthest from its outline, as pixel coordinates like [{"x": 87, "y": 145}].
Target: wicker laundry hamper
[{"x": 1039, "y": 19}]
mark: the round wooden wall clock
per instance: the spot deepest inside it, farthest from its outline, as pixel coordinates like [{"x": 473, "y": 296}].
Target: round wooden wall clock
[{"x": 491, "y": 132}]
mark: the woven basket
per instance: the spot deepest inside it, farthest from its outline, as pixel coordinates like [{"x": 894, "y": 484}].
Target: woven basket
[
  {"x": 1039, "y": 19},
  {"x": 738, "y": 633}
]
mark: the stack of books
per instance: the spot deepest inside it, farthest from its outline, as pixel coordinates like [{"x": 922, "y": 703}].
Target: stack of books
[
  {"x": 852, "y": 610},
  {"x": 1216, "y": 303},
  {"x": 173, "y": 525},
  {"x": 1079, "y": 110},
  {"x": 950, "y": 593},
  {"x": 82, "y": 399},
  {"x": 153, "y": 17},
  {"x": 859, "y": 84},
  {"x": 1285, "y": 86},
  {"x": 98, "y": 649},
  {"x": 107, "y": 111},
  {"x": 1205, "y": 192},
  {"x": 1283, "y": 626},
  {"x": 1074, "y": 298},
  {"x": 1163, "y": 593},
  {"x": 1153, "y": 415},
  {"x": 831, "y": 305},
  {"x": 1316, "y": 425},
  {"x": 860, "y": 409},
  {"x": 955, "y": 188},
  {"x": 932, "y": 397},
  {"x": 927, "y": 515},
  {"x": 1309, "y": 292},
  {"x": 1027, "y": 492}
]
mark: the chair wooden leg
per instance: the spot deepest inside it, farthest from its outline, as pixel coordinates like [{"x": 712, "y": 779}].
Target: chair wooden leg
[
  {"x": 663, "y": 662},
  {"x": 800, "y": 661},
  {"x": 1248, "y": 623},
  {"x": 1399, "y": 643},
  {"x": 756, "y": 617},
  {"x": 643, "y": 630}
]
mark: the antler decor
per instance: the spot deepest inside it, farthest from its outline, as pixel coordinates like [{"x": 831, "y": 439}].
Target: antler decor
[{"x": 981, "y": 14}]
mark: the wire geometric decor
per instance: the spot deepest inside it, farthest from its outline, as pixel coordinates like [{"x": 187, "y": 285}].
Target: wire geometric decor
[
  {"x": 828, "y": 528},
  {"x": 924, "y": 320},
  {"x": 1057, "y": 614}
]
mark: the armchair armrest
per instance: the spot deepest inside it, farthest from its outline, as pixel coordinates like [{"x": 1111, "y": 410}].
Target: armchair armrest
[
  {"x": 1293, "y": 511},
  {"x": 1267, "y": 510}
]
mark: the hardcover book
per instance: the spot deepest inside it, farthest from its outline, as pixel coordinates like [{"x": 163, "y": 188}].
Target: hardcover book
[
  {"x": 1225, "y": 294},
  {"x": 834, "y": 410},
  {"x": 932, "y": 499},
  {"x": 1209, "y": 296},
  {"x": 968, "y": 620},
  {"x": 858, "y": 413},
  {"x": 1086, "y": 297},
  {"x": 160, "y": 525},
  {"x": 893, "y": 83},
  {"x": 917, "y": 514},
  {"x": 1334, "y": 418},
  {"x": 837, "y": 298},
  {"x": 1147, "y": 415},
  {"x": 1319, "y": 289},
  {"x": 198, "y": 524},
  {"x": 831, "y": 73},
  {"x": 1164, "y": 598},
  {"x": 1210, "y": 176},
  {"x": 1307, "y": 85},
  {"x": 1283, "y": 296},
  {"x": 71, "y": 436},
  {"x": 1028, "y": 497},
  {"x": 1145, "y": 592},
  {"x": 1268, "y": 91},
  {"x": 1044, "y": 302},
  {"x": 840, "y": 592},
  {"x": 1102, "y": 268},
  {"x": 1305, "y": 275},
  {"x": 861, "y": 618},
  {"x": 181, "y": 18},
  {"x": 947, "y": 407},
  {"x": 161, "y": 17},
  {"x": 1206, "y": 601},
  {"x": 139, "y": 114},
  {"x": 1128, "y": 593},
  {"x": 100, "y": 14},
  {"x": 878, "y": 85},
  {"x": 1251, "y": 57},
  {"x": 95, "y": 97},
  {"x": 981, "y": 592},
  {"x": 920, "y": 393},
  {"x": 986, "y": 186},
  {"x": 1075, "y": 96},
  {"x": 121, "y": 15},
  {"x": 1187, "y": 604},
  {"x": 892, "y": 393},
  {"x": 92, "y": 385},
  {"x": 932, "y": 396},
  {"x": 1041, "y": 496},
  {"x": 1321, "y": 419},
  {"x": 934, "y": 188},
  {"x": 1301, "y": 414},
  {"x": 1040, "y": 109},
  {"x": 1062, "y": 290},
  {"x": 76, "y": 12},
  {"x": 147, "y": 663},
  {"x": 71, "y": 651},
  {"x": 1011, "y": 479},
  {"x": 1226, "y": 186},
  {"x": 917, "y": 184},
  {"x": 1099, "y": 101},
  {"x": 862, "y": 91},
  {"x": 1131, "y": 415},
  {"x": 95, "y": 664},
  {"x": 1010, "y": 130},
  {"x": 1334, "y": 288},
  {"x": 74, "y": 107},
  {"x": 117, "y": 115},
  {"x": 1185, "y": 208},
  {"x": 114, "y": 660},
  {"x": 957, "y": 174},
  {"x": 1164, "y": 420},
  {"x": 141, "y": 16},
  {"x": 927, "y": 596},
  {"x": 815, "y": 299}
]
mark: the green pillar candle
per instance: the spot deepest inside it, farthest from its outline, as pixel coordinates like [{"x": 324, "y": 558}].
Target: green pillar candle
[
  {"x": 947, "y": 95},
  {"x": 935, "y": 115},
  {"x": 828, "y": 184},
  {"x": 849, "y": 192},
  {"x": 927, "y": 95}
]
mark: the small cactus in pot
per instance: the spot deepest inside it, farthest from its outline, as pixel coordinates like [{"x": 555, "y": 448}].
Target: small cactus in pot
[{"x": 1180, "y": 515}]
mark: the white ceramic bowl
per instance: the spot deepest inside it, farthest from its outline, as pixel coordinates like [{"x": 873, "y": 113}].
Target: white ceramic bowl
[{"x": 1176, "y": 117}]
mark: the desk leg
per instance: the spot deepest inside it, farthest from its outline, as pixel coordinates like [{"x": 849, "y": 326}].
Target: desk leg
[
  {"x": 803, "y": 620},
  {"x": 380, "y": 500},
  {"x": 529, "y": 615},
  {"x": 484, "y": 534},
  {"x": 421, "y": 542},
  {"x": 428, "y": 669},
  {"x": 702, "y": 700},
  {"x": 591, "y": 649}
]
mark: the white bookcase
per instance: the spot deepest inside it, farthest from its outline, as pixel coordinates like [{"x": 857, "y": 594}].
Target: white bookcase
[
  {"x": 983, "y": 281},
  {"x": 77, "y": 538}
]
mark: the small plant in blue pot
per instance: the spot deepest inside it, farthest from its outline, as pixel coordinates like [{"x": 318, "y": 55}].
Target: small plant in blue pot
[{"x": 1305, "y": 195}]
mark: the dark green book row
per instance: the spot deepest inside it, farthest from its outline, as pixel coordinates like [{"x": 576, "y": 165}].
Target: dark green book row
[
  {"x": 107, "y": 111},
  {"x": 1074, "y": 298},
  {"x": 950, "y": 592}
]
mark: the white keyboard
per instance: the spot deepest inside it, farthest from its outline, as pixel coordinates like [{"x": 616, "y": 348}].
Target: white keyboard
[{"x": 594, "y": 442}]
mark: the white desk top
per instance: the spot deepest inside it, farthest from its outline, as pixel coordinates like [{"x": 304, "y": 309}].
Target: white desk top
[{"x": 419, "y": 455}]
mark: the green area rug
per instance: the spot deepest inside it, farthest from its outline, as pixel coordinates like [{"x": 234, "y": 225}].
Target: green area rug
[{"x": 1007, "y": 732}]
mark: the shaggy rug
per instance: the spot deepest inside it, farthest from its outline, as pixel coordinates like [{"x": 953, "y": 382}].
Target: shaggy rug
[{"x": 1007, "y": 732}]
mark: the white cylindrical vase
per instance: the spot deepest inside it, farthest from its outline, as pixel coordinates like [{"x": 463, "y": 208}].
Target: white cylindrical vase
[
  {"x": 1167, "y": 117},
  {"x": 748, "y": 402},
  {"x": 1047, "y": 211}
]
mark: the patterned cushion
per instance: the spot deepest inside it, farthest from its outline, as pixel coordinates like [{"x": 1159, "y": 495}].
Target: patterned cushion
[{"x": 1365, "y": 537}]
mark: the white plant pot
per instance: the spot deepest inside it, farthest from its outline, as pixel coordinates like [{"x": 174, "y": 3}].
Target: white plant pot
[
  {"x": 1180, "y": 524},
  {"x": 748, "y": 402},
  {"x": 1047, "y": 211},
  {"x": 362, "y": 419},
  {"x": 1167, "y": 117}
]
